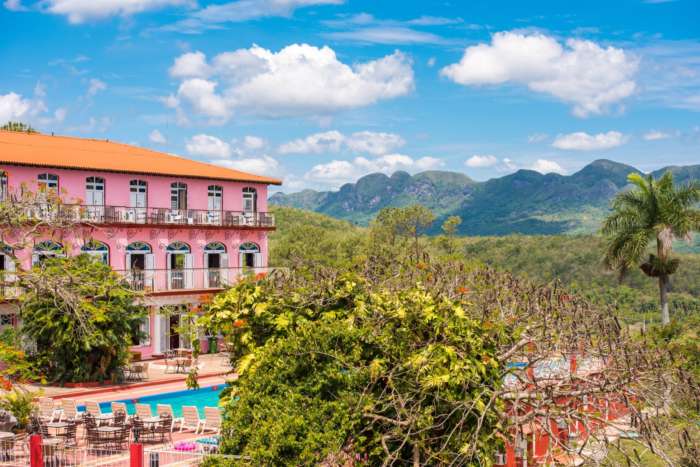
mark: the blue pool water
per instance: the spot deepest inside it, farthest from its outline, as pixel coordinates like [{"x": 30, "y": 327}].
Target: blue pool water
[{"x": 200, "y": 398}]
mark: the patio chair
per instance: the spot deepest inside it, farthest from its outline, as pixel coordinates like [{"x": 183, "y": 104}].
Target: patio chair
[
  {"x": 69, "y": 411},
  {"x": 212, "y": 419},
  {"x": 47, "y": 409},
  {"x": 163, "y": 430},
  {"x": 191, "y": 420},
  {"x": 167, "y": 409},
  {"x": 119, "y": 418},
  {"x": 144, "y": 411},
  {"x": 141, "y": 372},
  {"x": 170, "y": 361},
  {"x": 142, "y": 433},
  {"x": 94, "y": 409},
  {"x": 7, "y": 450},
  {"x": 70, "y": 435}
]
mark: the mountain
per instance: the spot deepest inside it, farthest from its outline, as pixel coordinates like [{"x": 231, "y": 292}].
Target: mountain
[{"x": 526, "y": 201}]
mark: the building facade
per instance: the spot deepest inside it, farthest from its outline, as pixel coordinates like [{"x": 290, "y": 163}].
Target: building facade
[{"x": 178, "y": 230}]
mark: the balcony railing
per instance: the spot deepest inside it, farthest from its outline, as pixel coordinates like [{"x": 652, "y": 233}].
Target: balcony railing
[
  {"x": 164, "y": 280},
  {"x": 148, "y": 216}
]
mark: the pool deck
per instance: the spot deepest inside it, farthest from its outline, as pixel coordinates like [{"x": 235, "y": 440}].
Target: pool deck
[{"x": 213, "y": 370}]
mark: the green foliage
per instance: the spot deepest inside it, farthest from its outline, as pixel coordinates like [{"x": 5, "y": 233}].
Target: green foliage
[
  {"x": 333, "y": 364},
  {"x": 14, "y": 365},
  {"x": 19, "y": 402},
  {"x": 18, "y": 126},
  {"x": 80, "y": 316}
]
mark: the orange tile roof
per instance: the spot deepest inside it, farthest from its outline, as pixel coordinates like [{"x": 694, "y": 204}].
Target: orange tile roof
[{"x": 81, "y": 153}]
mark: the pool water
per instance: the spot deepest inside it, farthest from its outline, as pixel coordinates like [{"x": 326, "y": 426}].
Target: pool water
[{"x": 200, "y": 398}]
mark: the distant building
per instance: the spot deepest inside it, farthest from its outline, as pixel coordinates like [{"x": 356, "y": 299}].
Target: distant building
[{"x": 177, "y": 229}]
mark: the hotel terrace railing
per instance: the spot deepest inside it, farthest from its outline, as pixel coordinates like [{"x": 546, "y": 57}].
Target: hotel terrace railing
[
  {"x": 163, "y": 280},
  {"x": 148, "y": 216}
]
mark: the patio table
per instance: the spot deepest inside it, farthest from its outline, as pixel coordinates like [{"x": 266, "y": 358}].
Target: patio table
[
  {"x": 59, "y": 428},
  {"x": 151, "y": 420},
  {"x": 6, "y": 435}
]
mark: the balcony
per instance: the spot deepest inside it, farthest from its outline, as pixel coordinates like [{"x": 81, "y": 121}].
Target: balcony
[
  {"x": 169, "y": 280},
  {"x": 66, "y": 213}
]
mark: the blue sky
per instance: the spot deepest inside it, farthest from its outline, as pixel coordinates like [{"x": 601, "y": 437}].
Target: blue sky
[{"x": 320, "y": 92}]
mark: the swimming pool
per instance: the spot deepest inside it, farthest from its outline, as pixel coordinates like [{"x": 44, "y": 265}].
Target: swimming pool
[{"x": 200, "y": 398}]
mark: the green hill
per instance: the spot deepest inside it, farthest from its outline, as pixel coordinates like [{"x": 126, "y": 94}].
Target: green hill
[{"x": 525, "y": 202}]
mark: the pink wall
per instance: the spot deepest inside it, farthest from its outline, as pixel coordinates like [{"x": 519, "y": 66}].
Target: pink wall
[{"x": 72, "y": 187}]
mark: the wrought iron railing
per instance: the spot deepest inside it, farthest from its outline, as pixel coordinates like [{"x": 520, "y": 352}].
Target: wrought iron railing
[
  {"x": 148, "y": 216},
  {"x": 163, "y": 280}
]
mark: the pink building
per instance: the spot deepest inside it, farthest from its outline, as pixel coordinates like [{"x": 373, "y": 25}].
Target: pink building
[{"x": 179, "y": 230}]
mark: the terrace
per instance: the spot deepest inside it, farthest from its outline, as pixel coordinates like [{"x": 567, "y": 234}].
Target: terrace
[{"x": 138, "y": 216}]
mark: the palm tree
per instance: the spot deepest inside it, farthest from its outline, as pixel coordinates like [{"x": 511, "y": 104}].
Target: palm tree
[{"x": 651, "y": 210}]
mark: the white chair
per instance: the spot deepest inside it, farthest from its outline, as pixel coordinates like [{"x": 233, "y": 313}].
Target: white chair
[
  {"x": 191, "y": 420},
  {"x": 212, "y": 419},
  {"x": 119, "y": 407},
  {"x": 144, "y": 411},
  {"x": 167, "y": 409},
  {"x": 69, "y": 411},
  {"x": 47, "y": 409},
  {"x": 93, "y": 408}
]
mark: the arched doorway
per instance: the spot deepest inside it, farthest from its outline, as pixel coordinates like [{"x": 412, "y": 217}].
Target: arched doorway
[
  {"x": 97, "y": 250},
  {"x": 179, "y": 261},
  {"x": 139, "y": 265},
  {"x": 45, "y": 250},
  {"x": 249, "y": 255},
  {"x": 216, "y": 263}
]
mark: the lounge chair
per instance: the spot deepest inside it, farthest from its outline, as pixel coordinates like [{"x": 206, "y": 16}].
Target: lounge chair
[
  {"x": 47, "y": 409},
  {"x": 93, "y": 408},
  {"x": 70, "y": 411},
  {"x": 167, "y": 410},
  {"x": 191, "y": 420},
  {"x": 144, "y": 411},
  {"x": 119, "y": 407},
  {"x": 212, "y": 419}
]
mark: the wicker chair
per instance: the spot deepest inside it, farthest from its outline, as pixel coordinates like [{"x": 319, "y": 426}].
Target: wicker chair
[
  {"x": 119, "y": 418},
  {"x": 163, "y": 430}
]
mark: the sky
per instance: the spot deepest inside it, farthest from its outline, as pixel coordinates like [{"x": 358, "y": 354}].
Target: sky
[{"x": 322, "y": 92}]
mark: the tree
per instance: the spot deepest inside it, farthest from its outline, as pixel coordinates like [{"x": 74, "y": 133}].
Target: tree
[
  {"x": 80, "y": 316},
  {"x": 18, "y": 126},
  {"x": 410, "y": 222},
  {"x": 449, "y": 227},
  {"x": 432, "y": 365},
  {"x": 653, "y": 211}
]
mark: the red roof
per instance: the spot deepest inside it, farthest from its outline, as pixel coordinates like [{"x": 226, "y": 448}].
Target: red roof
[{"x": 67, "y": 152}]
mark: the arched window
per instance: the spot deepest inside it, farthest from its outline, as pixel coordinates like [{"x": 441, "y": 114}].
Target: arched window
[
  {"x": 216, "y": 262},
  {"x": 3, "y": 185},
  {"x": 97, "y": 250},
  {"x": 139, "y": 257},
  {"x": 250, "y": 200},
  {"x": 47, "y": 182},
  {"x": 179, "y": 265},
  {"x": 138, "y": 247},
  {"x": 178, "y": 196},
  {"x": 46, "y": 249},
  {"x": 249, "y": 255},
  {"x": 138, "y": 193}
]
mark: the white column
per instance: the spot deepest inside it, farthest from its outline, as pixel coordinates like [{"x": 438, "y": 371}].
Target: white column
[{"x": 155, "y": 338}]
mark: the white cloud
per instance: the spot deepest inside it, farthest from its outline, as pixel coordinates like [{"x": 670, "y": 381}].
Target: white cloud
[
  {"x": 655, "y": 135},
  {"x": 477, "y": 161},
  {"x": 369, "y": 142},
  {"x": 60, "y": 114},
  {"x": 15, "y": 5},
  {"x": 263, "y": 165},
  {"x": 94, "y": 86},
  {"x": 299, "y": 80},
  {"x": 374, "y": 143},
  {"x": 208, "y": 146},
  {"x": 190, "y": 65},
  {"x": 386, "y": 35},
  {"x": 545, "y": 166},
  {"x": 337, "y": 172},
  {"x": 581, "y": 141},
  {"x": 212, "y": 16},
  {"x": 157, "y": 137},
  {"x": 254, "y": 143},
  {"x": 431, "y": 62},
  {"x": 14, "y": 107},
  {"x": 537, "y": 138},
  {"x": 318, "y": 143},
  {"x": 582, "y": 73},
  {"x": 80, "y": 11}
]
